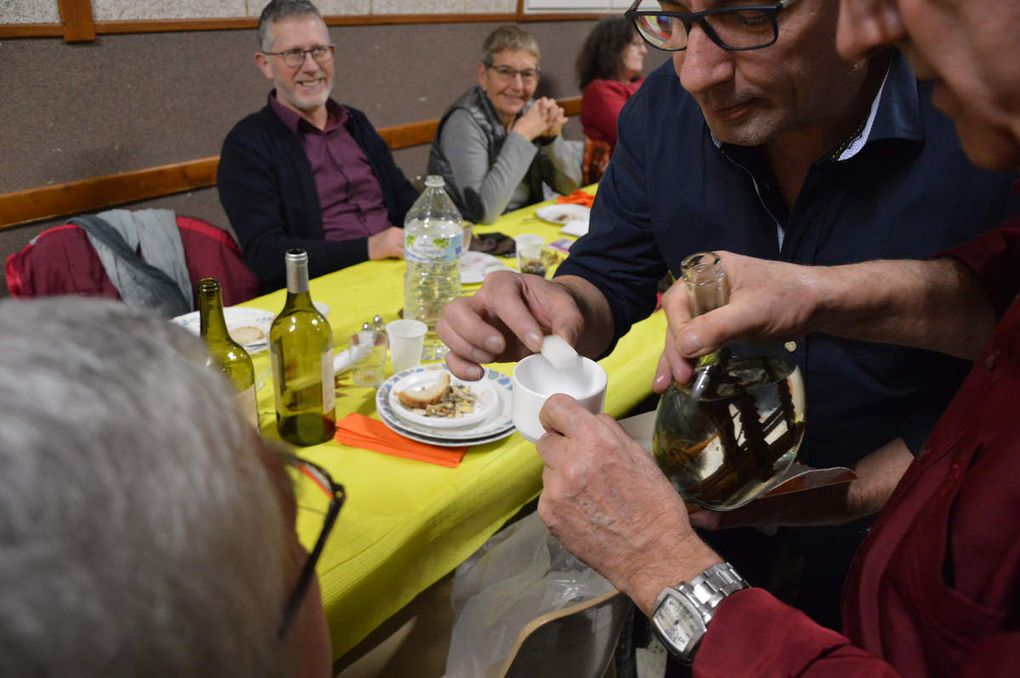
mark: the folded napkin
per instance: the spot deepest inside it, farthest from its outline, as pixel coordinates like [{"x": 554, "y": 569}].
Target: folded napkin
[
  {"x": 357, "y": 430},
  {"x": 578, "y": 197},
  {"x": 575, "y": 227}
]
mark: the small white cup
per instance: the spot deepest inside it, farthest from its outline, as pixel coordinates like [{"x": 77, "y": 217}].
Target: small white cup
[
  {"x": 529, "y": 254},
  {"x": 407, "y": 337},
  {"x": 535, "y": 379}
]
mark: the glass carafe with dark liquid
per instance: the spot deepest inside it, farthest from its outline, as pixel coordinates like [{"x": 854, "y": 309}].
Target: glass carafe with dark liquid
[{"x": 731, "y": 434}]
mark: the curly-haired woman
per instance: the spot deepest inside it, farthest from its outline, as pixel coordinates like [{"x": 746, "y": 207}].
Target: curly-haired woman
[{"x": 609, "y": 72}]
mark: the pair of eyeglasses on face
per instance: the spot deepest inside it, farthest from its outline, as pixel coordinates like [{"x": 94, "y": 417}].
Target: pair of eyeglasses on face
[
  {"x": 739, "y": 26},
  {"x": 333, "y": 493},
  {"x": 528, "y": 75},
  {"x": 296, "y": 57}
]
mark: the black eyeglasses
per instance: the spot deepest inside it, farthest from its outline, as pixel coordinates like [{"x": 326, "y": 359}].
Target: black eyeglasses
[
  {"x": 296, "y": 57},
  {"x": 736, "y": 28},
  {"x": 528, "y": 75},
  {"x": 324, "y": 482}
]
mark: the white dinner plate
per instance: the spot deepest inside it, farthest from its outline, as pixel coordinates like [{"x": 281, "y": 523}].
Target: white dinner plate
[
  {"x": 447, "y": 442},
  {"x": 496, "y": 425},
  {"x": 474, "y": 266},
  {"x": 255, "y": 323},
  {"x": 561, "y": 214},
  {"x": 486, "y": 400}
]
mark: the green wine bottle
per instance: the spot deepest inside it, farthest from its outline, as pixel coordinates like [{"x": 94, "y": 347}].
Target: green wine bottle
[
  {"x": 226, "y": 354},
  {"x": 301, "y": 347}
]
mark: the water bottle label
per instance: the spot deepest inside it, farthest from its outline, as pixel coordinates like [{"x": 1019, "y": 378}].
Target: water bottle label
[{"x": 433, "y": 249}]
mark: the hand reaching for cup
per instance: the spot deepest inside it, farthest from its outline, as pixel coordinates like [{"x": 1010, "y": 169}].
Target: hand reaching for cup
[
  {"x": 609, "y": 504},
  {"x": 506, "y": 320}
]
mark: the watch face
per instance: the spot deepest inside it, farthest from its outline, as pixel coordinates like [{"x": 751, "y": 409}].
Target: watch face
[{"x": 679, "y": 624}]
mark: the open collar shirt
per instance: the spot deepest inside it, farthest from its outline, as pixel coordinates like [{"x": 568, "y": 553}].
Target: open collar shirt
[
  {"x": 903, "y": 190},
  {"x": 349, "y": 192}
]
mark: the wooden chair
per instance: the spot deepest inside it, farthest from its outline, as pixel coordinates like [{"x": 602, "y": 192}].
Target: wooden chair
[
  {"x": 596, "y": 159},
  {"x": 576, "y": 641}
]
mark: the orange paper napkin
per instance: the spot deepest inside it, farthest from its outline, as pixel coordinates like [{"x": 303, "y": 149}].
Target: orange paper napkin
[
  {"x": 577, "y": 198},
  {"x": 357, "y": 430}
]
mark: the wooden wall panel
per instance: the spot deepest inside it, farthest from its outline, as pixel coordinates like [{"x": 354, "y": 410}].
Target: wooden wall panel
[
  {"x": 80, "y": 26},
  {"x": 96, "y": 193},
  {"x": 76, "y": 16}
]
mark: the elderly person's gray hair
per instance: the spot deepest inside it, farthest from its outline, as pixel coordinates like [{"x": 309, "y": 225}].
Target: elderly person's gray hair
[
  {"x": 140, "y": 532},
  {"x": 509, "y": 38},
  {"x": 281, "y": 10}
]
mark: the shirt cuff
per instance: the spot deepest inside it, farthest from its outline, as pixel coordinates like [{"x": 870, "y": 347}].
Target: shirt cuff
[
  {"x": 992, "y": 257},
  {"x": 754, "y": 634}
]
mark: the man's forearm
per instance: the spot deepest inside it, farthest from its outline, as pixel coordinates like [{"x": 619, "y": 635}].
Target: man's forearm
[
  {"x": 936, "y": 304},
  {"x": 598, "y": 317}
]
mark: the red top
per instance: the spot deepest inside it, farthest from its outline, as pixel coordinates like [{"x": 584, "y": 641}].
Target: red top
[
  {"x": 601, "y": 101},
  {"x": 935, "y": 588}
]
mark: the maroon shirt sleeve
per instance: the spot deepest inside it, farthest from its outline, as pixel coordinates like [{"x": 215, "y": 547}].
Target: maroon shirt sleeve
[
  {"x": 994, "y": 256},
  {"x": 753, "y": 634}
]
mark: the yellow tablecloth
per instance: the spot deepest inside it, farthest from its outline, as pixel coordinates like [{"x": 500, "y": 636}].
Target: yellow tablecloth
[{"x": 406, "y": 523}]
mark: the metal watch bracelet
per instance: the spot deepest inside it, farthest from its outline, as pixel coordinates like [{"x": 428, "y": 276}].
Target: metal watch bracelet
[{"x": 682, "y": 612}]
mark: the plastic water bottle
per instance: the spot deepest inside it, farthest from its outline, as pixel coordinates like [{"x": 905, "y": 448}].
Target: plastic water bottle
[{"x": 433, "y": 244}]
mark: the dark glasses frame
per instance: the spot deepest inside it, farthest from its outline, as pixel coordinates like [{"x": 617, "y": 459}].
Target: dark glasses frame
[
  {"x": 338, "y": 496},
  {"x": 688, "y": 19}
]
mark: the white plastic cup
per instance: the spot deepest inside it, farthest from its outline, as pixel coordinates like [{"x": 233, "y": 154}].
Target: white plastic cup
[
  {"x": 535, "y": 379},
  {"x": 529, "y": 253},
  {"x": 407, "y": 338}
]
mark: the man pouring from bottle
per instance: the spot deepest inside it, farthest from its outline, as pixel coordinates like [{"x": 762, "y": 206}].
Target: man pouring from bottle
[{"x": 759, "y": 138}]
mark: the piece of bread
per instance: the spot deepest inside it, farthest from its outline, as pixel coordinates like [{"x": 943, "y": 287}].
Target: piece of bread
[
  {"x": 427, "y": 394},
  {"x": 247, "y": 334}
]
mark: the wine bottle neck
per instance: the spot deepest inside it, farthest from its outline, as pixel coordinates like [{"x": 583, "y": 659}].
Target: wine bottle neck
[
  {"x": 212, "y": 324},
  {"x": 299, "y": 300},
  {"x": 705, "y": 280},
  {"x": 297, "y": 279}
]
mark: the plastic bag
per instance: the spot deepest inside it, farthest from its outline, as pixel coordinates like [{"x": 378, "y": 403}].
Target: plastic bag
[{"x": 522, "y": 573}]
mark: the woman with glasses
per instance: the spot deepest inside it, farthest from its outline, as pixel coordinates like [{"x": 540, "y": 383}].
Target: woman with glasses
[
  {"x": 608, "y": 72},
  {"x": 495, "y": 145}
]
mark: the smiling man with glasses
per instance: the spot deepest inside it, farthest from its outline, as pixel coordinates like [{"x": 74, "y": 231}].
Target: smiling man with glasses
[
  {"x": 306, "y": 171},
  {"x": 757, "y": 137}
]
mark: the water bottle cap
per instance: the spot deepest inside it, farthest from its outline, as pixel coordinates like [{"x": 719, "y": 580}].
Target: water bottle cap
[{"x": 434, "y": 181}]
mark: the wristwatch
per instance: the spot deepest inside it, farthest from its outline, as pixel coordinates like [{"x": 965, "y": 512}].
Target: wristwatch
[{"x": 682, "y": 612}]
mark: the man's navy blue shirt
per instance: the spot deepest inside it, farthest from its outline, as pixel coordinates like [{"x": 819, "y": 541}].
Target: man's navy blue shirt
[{"x": 671, "y": 190}]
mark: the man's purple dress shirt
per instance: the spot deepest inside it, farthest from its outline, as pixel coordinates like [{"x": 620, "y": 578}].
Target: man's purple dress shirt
[{"x": 349, "y": 193}]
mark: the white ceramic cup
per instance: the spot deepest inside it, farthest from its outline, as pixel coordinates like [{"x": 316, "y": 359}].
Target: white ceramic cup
[
  {"x": 407, "y": 337},
  {"x": 535, "y": 379}
]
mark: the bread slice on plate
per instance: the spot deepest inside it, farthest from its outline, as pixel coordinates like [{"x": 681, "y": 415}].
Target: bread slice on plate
[{"x": 426, "y": 394}]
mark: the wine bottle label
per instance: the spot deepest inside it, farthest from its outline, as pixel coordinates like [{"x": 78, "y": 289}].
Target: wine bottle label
[
  {"x": 249, "y": 406},
  {"x": 328, "y": 385},
  {"x": 274, "y": 360},
  {"x": 433, "y": 249}
]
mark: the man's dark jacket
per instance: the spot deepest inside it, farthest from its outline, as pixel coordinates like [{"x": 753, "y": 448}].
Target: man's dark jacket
[{"x": 268, "y": 192}]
